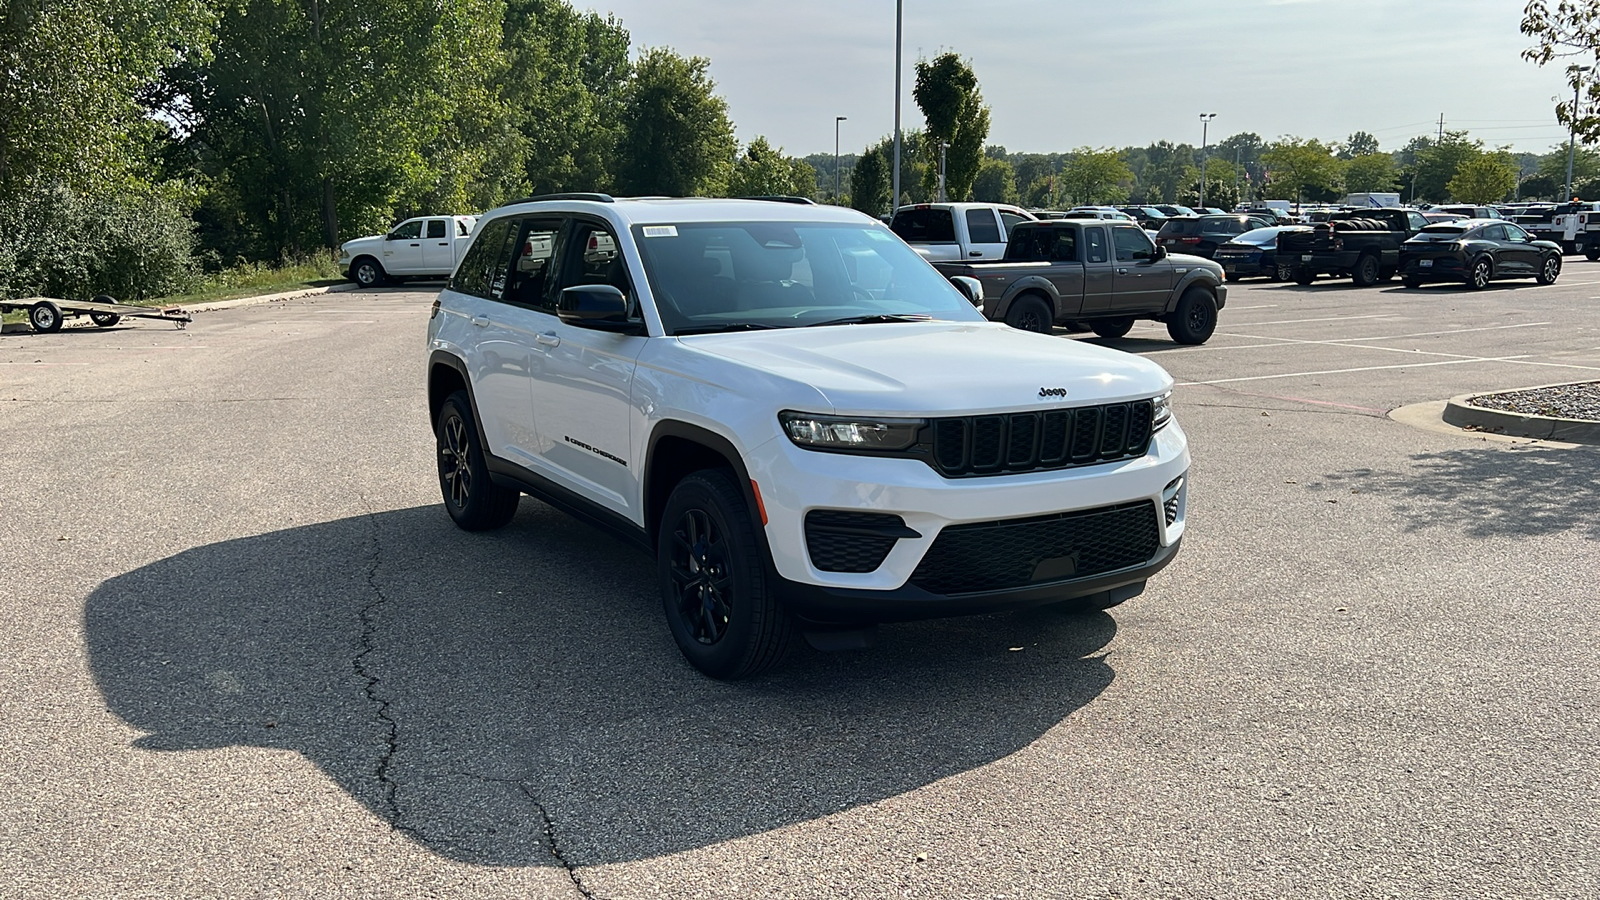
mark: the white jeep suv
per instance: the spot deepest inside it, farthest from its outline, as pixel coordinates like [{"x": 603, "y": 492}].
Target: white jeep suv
[{"x": 807, "y": 425}]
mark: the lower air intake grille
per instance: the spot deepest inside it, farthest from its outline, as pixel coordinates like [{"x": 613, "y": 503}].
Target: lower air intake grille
[
  {"x": 1012, "y": 553},
  {"x": 841, "y": 541}
]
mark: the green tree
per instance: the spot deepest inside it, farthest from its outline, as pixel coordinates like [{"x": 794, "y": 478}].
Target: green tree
[
  {"x": 1568, "y": 33},
  {"x": 1553, "y": 165},
  {"x": 1487, "y": 179},
  {"x": 869, "y": 183},
  {"x": 1358, "y": 144},
  {"x": 677, "y": 138},
  {"x": 947, "y": 92},
  {"x": 565, "y": 78},
  {"x": 996, "y": 182},
  {"x": 1540, "y": 186},
  {"x": 1436, "y": 164},
  {"x": 1370, "y": 172},
  {"x": 764, "y": 171},
  {"x": 1302, "y": 169},
  {"x": 1220, "y": 191},
  {"x": 1091, "y": 176}
]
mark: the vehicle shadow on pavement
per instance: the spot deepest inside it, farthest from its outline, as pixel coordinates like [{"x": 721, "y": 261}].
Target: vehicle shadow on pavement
[
  {"x": 514, "y": 698},
  {"x": 1488, "y": 491}
]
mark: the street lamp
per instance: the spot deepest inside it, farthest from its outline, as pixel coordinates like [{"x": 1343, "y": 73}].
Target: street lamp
[
  {"x": 1205, "y": 122},
  {"x": 943, "y": 146},
  {"x": 836, "y": 121},
  {"x": 1572, "y": 143},
  {"x": 899, "y": 9}
]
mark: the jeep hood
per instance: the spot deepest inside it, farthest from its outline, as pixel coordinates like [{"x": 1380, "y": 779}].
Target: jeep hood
[{"x": 946, "y": 368}]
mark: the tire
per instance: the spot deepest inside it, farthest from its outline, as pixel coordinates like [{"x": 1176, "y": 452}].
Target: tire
[
  {"x": 1030, "y": 312},
  {"x": 1111, "y": 328},
  {"x": 1195, "y": 319},
  {"x": 471, "y": 497},
  {"x": 726, "y": 619},
  {"x": 1282, "y": 272},
  {"x": 45, "y": 317},
  {"x": 1549, "y": 270},
  {"x": 1412, "y": 283},
  {"x": 1482, "y": 272},
  {"x": 103, "y": 319},
  {"x": 1304, "y": 276},
  {"x": 367, "y": 273},
  {"x": 1366, "y": 271},
  {"x": 1592, "y": 253}
]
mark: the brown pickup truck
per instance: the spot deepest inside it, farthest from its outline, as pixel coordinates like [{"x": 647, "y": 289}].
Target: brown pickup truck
[{"x": 1096, "y": 275}]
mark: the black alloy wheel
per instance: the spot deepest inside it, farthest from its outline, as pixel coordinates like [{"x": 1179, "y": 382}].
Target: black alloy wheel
[
  {"x": 1549, "y": 270},
  {"x": 725, "y": 619},
  {"x": 471, "y": 497},
  {"x": 1481, "y": 273},
  {"x": 1030, "y": 313},
  {"x": 1195, "y": 319},
  {"x": 1282, "y": 272}
]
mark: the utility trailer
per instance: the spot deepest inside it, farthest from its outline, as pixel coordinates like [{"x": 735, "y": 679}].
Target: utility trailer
[{"x": 46, "y": 314}]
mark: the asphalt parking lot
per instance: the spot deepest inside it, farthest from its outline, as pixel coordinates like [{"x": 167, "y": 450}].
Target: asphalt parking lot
[{"x": 245, "y": 653}]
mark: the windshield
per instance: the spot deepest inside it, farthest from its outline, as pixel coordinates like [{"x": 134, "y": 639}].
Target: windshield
[
  {"x": 725, "y": 276},
  {"x": 1260, "y": 236}
]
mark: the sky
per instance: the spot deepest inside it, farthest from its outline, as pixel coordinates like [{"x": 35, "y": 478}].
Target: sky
[{"x": 1063, "y": 74}]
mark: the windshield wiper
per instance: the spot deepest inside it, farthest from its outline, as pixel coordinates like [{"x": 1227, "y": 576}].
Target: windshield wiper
[
  {"x": 719, "y": 329},
  {"x": 874, "y": 319}
]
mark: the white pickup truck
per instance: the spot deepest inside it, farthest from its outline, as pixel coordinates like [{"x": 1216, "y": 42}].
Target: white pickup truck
[
  {"x": 425, "y": 247},
  {"x": 957, "y": 231}
]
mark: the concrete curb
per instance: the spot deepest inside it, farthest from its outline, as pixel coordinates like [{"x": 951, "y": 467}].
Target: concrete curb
[{"x": 1459, "y": 411}]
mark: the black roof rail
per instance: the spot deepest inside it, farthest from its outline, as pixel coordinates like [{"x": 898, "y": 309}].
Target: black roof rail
[
  {"x": 781, "y": 198},
  {"x": 597, "y": 198}
]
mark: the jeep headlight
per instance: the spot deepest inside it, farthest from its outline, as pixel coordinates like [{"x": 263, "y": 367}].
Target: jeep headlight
[
  {"x": 851, "y": 433},
  {"x": 1161, "y": 411}
]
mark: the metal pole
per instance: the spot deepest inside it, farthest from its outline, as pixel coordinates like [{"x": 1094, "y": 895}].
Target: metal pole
[
  {"x": 836, "y": 121},
  {"x": 1572, "y": 142},
  {"x": 899, "y": 9},
  {"x": 1205, "y": 122},
  {"x": 943, "y": 146}
]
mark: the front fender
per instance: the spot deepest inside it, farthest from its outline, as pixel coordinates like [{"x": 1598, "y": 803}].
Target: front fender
[{"x": 1203, "y": 277}]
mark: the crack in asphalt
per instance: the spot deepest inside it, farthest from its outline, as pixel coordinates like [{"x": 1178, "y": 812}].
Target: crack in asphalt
[
  {"x": 368, "y": 644},
  {"x": 555, "y": 846}
]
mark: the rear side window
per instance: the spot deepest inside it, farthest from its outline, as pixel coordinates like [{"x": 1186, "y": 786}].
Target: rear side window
[
  {"x": 1227, "y": 225},
  {"x": 925, "y": 226},
  {"x": 1065, "y": 246},
  {"x": 1179, "y": 227},
  {"x": 435, "y": 228},
  {"x": 1094, "y": 242},
  {"x": 982, "y": 227},
  {"x": 1010, "y": 220},
  {"x": 531, "y": 257},
  {"x": 1030, "y": 245},
  {"x": 478, "y": 267}
]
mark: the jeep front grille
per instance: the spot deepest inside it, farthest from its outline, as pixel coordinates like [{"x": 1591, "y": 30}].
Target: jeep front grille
[{"x": 967, "y": 446}]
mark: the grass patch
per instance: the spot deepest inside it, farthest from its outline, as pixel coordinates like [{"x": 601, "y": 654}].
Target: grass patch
[{"x": 254, "y": 279}]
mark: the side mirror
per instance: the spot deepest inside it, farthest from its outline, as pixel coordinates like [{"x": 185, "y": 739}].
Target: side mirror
[
  {"x": 1161, "y": 252},
  {"x": 593, "y": 306},
  {"x": 392, "y": 236},
  {"x": 972, "y": 288}
]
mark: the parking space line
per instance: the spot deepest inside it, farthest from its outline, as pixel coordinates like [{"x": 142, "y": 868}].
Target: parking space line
[
  {"x": 1258, "y": 306},
  {"x": 1397, "y": 337},
  {"x": 1445, "y": 362},
  {"x": 1327, "y": 319}
]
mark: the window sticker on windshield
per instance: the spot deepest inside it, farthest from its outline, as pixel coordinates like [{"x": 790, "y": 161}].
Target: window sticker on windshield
[
  {"x": 661, "y": 231},
  {"x": 880, "y": 235}
]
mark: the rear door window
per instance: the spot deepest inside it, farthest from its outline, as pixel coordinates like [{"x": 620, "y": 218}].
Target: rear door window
[
  {"x": 1064, "y": 247},
  {"x": 436, "y": 228},
  {"x": 1094, "y": 242},
  {"x": 527, "y": 278},
  {"x": 925, "y": 226},
  {"x": 479, "y": 267},
  {"x": 982, "y": 228},
  {"x": 1010, "y": 220}
]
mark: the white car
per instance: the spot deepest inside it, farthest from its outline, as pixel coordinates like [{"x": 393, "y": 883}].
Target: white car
[
  {"x": 424, "y": 247},
  {"x": 809, "y": 428}
]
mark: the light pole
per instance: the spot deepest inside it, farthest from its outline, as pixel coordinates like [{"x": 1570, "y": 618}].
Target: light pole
[
  {"x": 899, "y": 8},
  {"x": 1572, "y": 142},
  {"x": 836, "y": 121},
  {"x": 943, "y": 146},
  {"x": 1205, "y": 122}
]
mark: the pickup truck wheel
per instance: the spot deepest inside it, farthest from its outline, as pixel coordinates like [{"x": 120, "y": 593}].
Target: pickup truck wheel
[
  {"x": 45, "y": 317},
  {"x": 1195, "y": 318},
  {"x": 366, "y": 272},
  {"x": 1112, "y": 328},
  {"x": 471, "y": 497},
  {"x": 1549, "y": 270},
  {"x": 1030, "y": 313},
  {"x": 726, "y": 620},
  {"x": 1304, "y": 276},
  {"x": 1411, "y": 282},
  {"x": 1366, "y": 271},
  {"x": 1592, "y": 252},
  {"x": 1481, "y": 272},
  {"x": 1283, "y": 272}
]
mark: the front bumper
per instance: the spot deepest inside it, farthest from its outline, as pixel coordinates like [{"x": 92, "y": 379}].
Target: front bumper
[{"x": 794, "y": 482}]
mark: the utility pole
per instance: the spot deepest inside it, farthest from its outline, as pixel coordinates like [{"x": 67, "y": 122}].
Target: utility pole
[
  {"x": 943, "y": 146},
  {"x": 1205, "y": 122},
  {"x": 1572, "y": 140},
  {"x": 1236, "y": 198},
  {"x": 836, "y": 121},
  {"x": 1441, "y": 128},
  {"x": 899, "y": 10}
]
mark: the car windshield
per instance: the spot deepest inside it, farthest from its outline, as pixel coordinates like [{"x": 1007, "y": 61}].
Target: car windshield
[
  {"x": 723, "y": 276},
  {"x": 1259, "y": 236}
]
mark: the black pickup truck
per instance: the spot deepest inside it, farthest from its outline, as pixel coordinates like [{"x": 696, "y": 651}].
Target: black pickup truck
[
  {"x": 1096, "y": 275},
  {"x": 1363, "y": 244}
]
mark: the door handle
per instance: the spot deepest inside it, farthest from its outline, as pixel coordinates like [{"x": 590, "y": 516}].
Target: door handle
[
  {"x": 481, "y": 321},
  {"x": 974, "y": 252},
  {"x": 548, "y": 339},
  {"x": 443, "y": 244},
  {"x": 1122, "y": 271},
  {"x": 416, "y": 245}
]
